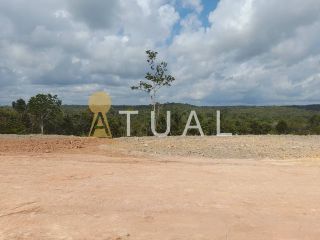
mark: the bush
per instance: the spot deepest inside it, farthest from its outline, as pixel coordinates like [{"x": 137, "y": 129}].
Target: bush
[{"x": 282, "y": 127}]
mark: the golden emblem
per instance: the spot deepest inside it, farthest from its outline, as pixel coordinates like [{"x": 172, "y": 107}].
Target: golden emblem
[{"x": 99, "y": 104}]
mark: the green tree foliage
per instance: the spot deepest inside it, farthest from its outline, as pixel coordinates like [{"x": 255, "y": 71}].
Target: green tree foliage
[
  {"x": 314, "y": 124},
  {"x": 44, "y": 107},
  {"x": 259, "y": 128},
  {"x": 11, "y": 122},
  {"x": 76, "y": 120},
  {"x": 20, "y": 106},
  {"x": 282, "y": 127},
  {"x": 156, "y": 78}
]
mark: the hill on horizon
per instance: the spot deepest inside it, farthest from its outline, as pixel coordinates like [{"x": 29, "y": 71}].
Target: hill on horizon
[{"x": 241, "y": 120}]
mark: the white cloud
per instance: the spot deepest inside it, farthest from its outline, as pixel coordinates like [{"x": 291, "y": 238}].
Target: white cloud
[
  {"x": 253, "y": 52},
  {"x": 61, "y": 46},
  {"x": 193, "y": 4},
  {"x": 191, "y": 23}
]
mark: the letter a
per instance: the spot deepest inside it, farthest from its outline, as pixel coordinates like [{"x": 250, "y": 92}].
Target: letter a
[{"x": 193, "y": 114}]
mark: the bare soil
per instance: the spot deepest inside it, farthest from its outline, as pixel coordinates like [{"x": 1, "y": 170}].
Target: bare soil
[{"x": 241, "y": 187}]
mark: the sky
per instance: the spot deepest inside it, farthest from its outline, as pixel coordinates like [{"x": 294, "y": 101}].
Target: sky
[{"x": 227, "y": 52}]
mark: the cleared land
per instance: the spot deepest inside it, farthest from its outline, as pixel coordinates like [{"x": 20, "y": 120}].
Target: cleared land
[{"x": 243, "y": 187}]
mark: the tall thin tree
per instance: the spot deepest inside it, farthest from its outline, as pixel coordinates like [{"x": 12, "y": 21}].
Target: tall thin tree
[{"x": 157, "y": 78}]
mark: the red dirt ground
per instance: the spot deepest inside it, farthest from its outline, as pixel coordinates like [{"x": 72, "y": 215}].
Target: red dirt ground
[{"x": 146, "y": 188}]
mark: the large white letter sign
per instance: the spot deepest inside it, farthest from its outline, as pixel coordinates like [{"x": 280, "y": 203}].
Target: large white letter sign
[
  {"x": 193, "y": 114},
  {"x": 153, "y": 125},
  {"x": 128, "y": 113},
  {"x": 219, "y": 127}
]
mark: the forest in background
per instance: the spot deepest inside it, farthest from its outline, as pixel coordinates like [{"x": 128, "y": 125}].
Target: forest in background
[
  {"x": 45, "y": 114},
  {"x": 241, "y": 120}
]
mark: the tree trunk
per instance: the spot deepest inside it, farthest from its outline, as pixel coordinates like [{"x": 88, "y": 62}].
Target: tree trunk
[{"x": 153, "y": 101}]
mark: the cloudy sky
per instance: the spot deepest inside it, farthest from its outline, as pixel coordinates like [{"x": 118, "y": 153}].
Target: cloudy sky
[{"x": 225, "y": 52}]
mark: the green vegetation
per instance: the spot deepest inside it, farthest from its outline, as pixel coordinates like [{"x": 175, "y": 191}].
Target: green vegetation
[
  {"x": 43, "y": 108},
  {"x": 24, "y": 118},
  {"x": 156, "y": 79}
]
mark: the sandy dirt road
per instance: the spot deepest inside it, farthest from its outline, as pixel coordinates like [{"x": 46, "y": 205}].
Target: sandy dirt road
[{"x": 145, "y": 188}]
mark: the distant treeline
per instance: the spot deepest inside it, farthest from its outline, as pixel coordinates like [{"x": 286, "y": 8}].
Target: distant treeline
[{"x": 242, "y": 120}]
